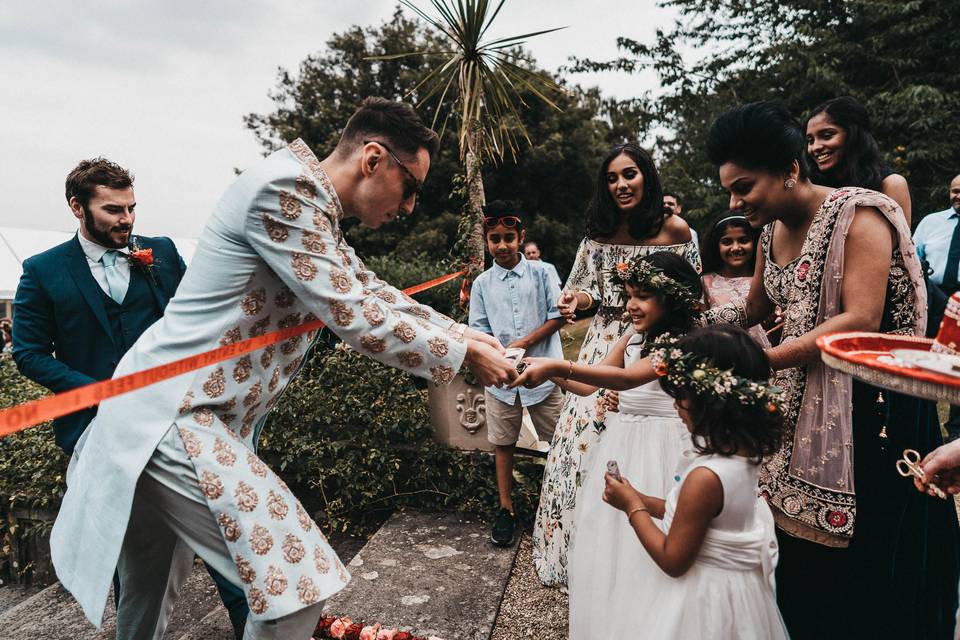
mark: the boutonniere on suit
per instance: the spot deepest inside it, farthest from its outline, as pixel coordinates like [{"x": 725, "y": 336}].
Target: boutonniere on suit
[{"x": 142, "y": 259}]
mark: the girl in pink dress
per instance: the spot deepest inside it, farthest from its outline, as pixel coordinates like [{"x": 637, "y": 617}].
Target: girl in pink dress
[{"x": 729, "y": 255}]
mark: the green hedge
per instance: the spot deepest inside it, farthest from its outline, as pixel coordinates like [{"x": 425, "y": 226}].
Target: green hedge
[{"x": 352, "y": 436}]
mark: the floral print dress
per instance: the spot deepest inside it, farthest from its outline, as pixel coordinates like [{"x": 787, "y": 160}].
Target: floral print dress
[{"x": 580, "y": 425}]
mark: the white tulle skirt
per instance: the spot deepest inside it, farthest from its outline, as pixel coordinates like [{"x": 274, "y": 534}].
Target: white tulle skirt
[{"x": 607, "y": 564}]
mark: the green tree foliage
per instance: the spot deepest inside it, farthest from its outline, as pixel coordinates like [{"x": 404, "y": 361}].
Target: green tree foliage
[
  {"x": 898, "y": 57},
  {"x": 551, "y": 178}
]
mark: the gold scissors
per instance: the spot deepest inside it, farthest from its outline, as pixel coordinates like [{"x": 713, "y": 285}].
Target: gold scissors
[{"x": 909, "y": 465}]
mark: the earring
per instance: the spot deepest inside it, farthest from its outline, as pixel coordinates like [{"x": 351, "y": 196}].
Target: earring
[{"x": 789, "y": 183}]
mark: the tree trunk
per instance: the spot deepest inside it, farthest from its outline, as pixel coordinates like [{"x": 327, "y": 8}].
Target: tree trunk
[{"x": 473, "y": 217}]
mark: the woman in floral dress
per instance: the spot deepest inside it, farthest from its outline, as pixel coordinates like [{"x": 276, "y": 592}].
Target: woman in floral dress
[
  {"x": 625, "y": 219},
  {"x": 862, "y": 555}
]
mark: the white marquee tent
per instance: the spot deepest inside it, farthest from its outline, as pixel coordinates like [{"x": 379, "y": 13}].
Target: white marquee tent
[{"x": 16, "y": 245}]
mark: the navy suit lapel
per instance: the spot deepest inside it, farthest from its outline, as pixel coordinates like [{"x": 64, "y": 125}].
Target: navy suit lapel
[
  {"x": 154, "y": 283},
  {"x": 80, "y": 272}
]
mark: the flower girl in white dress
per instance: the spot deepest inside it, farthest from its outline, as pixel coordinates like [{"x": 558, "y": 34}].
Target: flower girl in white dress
[
  {"x": 715, "y": 542},
  {"x": 646, "y": 436}
]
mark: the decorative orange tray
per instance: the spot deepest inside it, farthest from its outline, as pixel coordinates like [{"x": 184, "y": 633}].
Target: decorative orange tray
[{"x": 860, "y": 354}]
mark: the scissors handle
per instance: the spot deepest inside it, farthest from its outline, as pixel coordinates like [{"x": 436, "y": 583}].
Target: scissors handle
[{"x": 906, "y": 469}]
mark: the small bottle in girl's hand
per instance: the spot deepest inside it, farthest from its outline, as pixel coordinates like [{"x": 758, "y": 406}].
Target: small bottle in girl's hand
[{"x": 613, "y": 469}]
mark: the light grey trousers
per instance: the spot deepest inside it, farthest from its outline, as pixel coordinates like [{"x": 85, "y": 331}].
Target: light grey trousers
[{"x": 166, "y": 529}]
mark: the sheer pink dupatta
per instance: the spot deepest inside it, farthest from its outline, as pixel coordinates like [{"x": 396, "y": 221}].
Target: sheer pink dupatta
[{"x": 823, "y": 440}]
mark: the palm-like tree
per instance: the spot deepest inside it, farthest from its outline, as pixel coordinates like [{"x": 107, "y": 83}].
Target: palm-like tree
[{"x": 485, "y": 80}]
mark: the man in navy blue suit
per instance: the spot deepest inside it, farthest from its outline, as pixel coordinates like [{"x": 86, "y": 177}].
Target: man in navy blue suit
[{"x": 81, "y": 305}]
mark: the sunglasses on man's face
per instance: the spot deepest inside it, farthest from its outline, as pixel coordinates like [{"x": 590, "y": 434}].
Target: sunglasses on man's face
[
  {"x": 411, "y": 186},
  {"x": 508, "y": 221}
]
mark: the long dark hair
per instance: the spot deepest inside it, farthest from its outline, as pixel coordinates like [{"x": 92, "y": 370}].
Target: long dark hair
[
  {"x": 679, "y": 318},
  {"x": 710, "y": 245},
  {"x": 860, "y": 164},
  {"x": 725, "y": 426},
  {"x": 646, "y": 219}
]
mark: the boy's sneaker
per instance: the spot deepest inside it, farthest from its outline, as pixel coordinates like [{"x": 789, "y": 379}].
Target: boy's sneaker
[{"x": 502, "y": 533}]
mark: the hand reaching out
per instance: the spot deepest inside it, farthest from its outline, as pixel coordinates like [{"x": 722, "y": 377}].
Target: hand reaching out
[
  {"x": 488, "y": 364},
  {"x": 567, "y": 305},
  {"x": 620, "y": 494},
  {"x": 536, "y": 372},
  {"x": 942, "y": 468}
]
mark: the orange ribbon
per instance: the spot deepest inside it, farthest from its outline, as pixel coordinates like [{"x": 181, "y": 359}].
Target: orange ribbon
[{"x": 32, "y": 413}]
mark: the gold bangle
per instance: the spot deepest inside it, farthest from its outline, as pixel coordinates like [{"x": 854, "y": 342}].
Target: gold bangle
[
  {"x": 633, "y": 511},
  {"x": 569, "y": 371}
]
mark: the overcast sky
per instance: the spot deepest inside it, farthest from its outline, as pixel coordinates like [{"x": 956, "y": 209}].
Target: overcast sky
[{"x": 162, "y": 86}]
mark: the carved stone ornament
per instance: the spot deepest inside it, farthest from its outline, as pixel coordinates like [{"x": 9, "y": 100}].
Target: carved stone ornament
[{"x": 472, "y": 409}]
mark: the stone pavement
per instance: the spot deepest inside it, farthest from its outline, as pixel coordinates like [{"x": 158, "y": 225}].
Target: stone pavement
[{"x": 432, "y": 574}]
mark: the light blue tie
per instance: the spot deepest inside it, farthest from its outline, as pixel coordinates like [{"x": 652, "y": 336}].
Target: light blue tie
[{"x": 115, "y": 280}]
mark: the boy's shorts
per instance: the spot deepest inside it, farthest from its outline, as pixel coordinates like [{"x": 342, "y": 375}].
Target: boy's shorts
[{"x": 504, "y": 420}]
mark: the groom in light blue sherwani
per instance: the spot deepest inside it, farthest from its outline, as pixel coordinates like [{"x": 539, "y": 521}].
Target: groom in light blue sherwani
[{"x": 171, "y": 471}]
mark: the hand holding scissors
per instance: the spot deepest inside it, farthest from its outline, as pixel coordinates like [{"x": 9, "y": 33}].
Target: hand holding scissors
[{"x": 909, "y": 466}]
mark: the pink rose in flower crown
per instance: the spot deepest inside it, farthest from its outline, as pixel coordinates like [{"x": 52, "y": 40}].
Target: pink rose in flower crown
[
  {"x": 386, "y": 634},
  {"x": 369, "y": 633},
  {"x": 403, "y": 635}
]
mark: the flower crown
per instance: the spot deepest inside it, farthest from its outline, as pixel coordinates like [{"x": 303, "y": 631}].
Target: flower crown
[
  {"x": 693, "y": 372},
  {"x": 650, "y": 278}
]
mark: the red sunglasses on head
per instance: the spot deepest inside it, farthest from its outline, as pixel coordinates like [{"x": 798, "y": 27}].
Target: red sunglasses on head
[{"x": 508, "y": 221}]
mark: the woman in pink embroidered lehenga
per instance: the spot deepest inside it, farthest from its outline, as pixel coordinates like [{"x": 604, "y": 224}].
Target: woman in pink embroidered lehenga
[{"x": 729, "y": 255}]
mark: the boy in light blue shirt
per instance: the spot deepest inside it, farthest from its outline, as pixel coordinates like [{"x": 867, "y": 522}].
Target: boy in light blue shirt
[{"x": 515, "y": 301}]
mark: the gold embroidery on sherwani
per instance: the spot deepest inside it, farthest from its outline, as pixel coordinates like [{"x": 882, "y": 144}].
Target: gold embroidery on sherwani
[
  {"x": 267, "y": 356},
  {"x": 203, "y": 416},
  {"x": 252, "y": 303},
  {"x": 313, "y": 242},
  {"x": 320, "y": 560},
  {"x": 420, "y": 312},
  {"x": 341, "y": 571},
  {"x": 248, "y": 419},
  {"x": 253, "y": 395},
  {"x": 410, "y": 359},
  {"x": 313, "y": 332},
  {"x": 186, "y": 403},
  {"x": 305, "y": 522},
  {"x": 227, "y": 418},
  {"x": 210, "y": 485},
  {"x": 275, "y": 581},
  {"x": 284, "y": 297},
  {"x": 256, "y": 465},
  {"x": 191, "y": 444},
  {"x": 405, "y": 332},
  {"x": 231, "y": 528},
  {"x": 230, "y": 336},
  {"x": 340, "y": 280},
  {"x": 304, "y": 186},
  {"x": 230, "y": 434},
  {"x": 344, "y": 258},
  {"x": 373, "y": 314},
  {"x": 260, "y": 327},
  {"x": 320, "y": 221},
  {"x": 293, "y": 551},
  {"x": 227, "y": 405},
  {"x": 276, "y": 506},
  {"x": 241, "y": 370},
  {"x": 342, "y": 314},
  {"x": 373, "y": 344},
  {"x": 386, "y": 296},
  {"x": 289, "y": 206},
  {"x": 216, "y": 383},
  {"x": 438, "y": 347},
  {"x": 257, "y": 601},
  {"x": 442, "y": 374},
  {"x": 363, "y": 278},
  {"x": 224, "y": 453},
  {"x": 245, "y": 569},
  {"x": 274, "y": 382},
  {"x": 292, "y": 366},
  {"x": 245, "y": 497},
  {"x": 260, "y": 540},
  {"x": 303, "y": 266},
  {"x": 307, "y": 591},
  {"x": 276, "y": 230}
]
